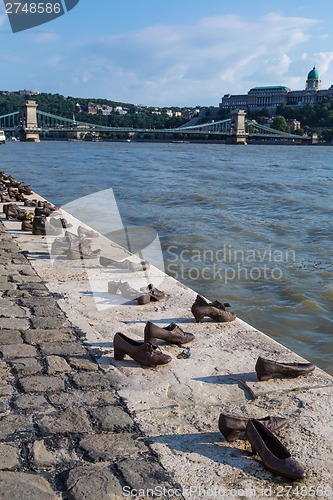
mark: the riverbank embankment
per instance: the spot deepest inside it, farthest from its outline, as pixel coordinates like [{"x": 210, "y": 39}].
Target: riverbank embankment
[{"x": 76, "y": 423}]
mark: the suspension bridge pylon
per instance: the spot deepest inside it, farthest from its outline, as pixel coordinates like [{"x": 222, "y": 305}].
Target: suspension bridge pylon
[{"x": 29, "y": 131}]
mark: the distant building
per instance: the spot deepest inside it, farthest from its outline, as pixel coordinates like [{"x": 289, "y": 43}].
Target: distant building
[{"x": 272, "y": 96}]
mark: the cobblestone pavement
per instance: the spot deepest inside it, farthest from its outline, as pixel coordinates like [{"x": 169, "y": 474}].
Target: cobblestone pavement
[{"x": 64, "y": 431}]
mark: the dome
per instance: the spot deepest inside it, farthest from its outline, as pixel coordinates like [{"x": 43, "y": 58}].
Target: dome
[{"x": 313, "y": 74}]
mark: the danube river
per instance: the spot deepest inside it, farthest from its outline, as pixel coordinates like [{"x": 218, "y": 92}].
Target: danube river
[{"x": 249, "y": 225}]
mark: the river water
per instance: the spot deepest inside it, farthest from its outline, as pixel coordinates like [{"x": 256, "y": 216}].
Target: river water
[{"x": 250, "y": 225}]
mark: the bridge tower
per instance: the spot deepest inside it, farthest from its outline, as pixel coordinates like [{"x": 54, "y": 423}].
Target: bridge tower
[
  {"x": 29, "y": 131},
  {"x": 238, "y": 135}
]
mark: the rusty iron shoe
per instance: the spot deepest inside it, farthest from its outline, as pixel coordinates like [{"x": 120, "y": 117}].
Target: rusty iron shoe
[
  {"x": 172, "y": 334},
  {"x": 231, "y": 427},
  {"x": 84, "y": 232},
  {"x": 274, "y": 455},
  {"x": 265, "y": 368},
  {"x": 143, "y": 353}
]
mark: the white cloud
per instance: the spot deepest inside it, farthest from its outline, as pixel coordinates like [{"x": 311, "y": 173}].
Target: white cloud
[{"x": 189, "y": 64}]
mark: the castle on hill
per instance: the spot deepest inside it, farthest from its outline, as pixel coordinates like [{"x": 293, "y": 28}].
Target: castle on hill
[{"x": 272, "y": 96}]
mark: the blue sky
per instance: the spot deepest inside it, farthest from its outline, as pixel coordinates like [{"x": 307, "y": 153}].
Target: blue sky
[{"x": 175, "y": 53}]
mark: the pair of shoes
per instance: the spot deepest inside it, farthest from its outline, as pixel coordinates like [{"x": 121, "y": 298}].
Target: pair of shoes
[
  {"x": 84, "y": 232},
  {"x": 274, "y": 455},
  {"x": 127, "y": 264},
  {"x": 215, "y": 310},
  {"x": 265, "y": 368},
  {"x": 152, "y": 295},
  {"x": 231, "y": 426},
  {"x": 172, "y": 334},
  {"x": 124, "y": 288},
  {"x": 12, "y": 211},
  {"x": 78, "y": 248},
  {"x": 144, "y": 353}
]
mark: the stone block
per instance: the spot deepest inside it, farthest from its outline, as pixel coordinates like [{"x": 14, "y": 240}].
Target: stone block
[
  {"x": 89, "y": 380},
  {"x": 46, "y": 310},
  {"x": 94, "y": 482},
  {"x": 43, "y": 456},
  {"x": 49, "y": 322},
  {"x": 6, "y": 389},
  {"x": 14, "y": 351},
  {"x": 144, "y": 474},
  {"x": 14, "y": 424},
  {"x": 26, "y": 366},
  {"x": 19, "y": 485},
  {"x": 31, "y": 402},
  {"x": 83, "y": 363},
  {"x": 9, "y": 457},
  {"x": 56, "y": 364},
  {"x": 42, "y": 383},
  {"x": 14, "y": 323},
  {"x": 113, "y": 419},
  {"x": 71, "y": 420},
  {"x": 10, "y": 337},
  {"x": 83, "y": 398},
  {"x": 63, "y": 348},
  {"x": 112, "y": 447},
  {"x": 35, "y": 337}
]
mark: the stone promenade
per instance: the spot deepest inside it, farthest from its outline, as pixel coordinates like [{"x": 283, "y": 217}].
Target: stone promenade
[{"x": 64, "y": 430}]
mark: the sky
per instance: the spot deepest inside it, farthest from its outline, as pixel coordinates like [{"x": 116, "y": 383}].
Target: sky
[{"x": 174, "y": 53}]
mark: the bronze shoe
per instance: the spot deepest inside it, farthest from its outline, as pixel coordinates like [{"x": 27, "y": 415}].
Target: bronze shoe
[
  {"x": 127, "y": 264},
  {"x": 152, "y": 295},
  {"x": 172, "y": 334},
  {"x": 265, "y": 368},
  {"x": 144, "y": 353},
  {"x": 276, "y": 458},
  {"x": 214, "y": 310},
  {"x": 84, "y": 232},
  {"x": 125, "y": 289},
  {"x": 231, "y": 427}
]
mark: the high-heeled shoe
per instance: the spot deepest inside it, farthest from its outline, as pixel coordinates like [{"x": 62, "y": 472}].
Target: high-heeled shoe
[
  {"x": 265, "y": 368},
  {"x": 274, "y": 455},
  {"x": 172, "y": 334},
  {"x": 214, "y": 310},
  {"x": 144, "y": 353},
  {"x": 231, "y": 427}
]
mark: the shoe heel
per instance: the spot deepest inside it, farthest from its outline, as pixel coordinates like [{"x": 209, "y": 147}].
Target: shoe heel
[
  {"x": 262, "y": 377},
  {"x": 198, "y": 316},
  {"x": 118, "y": 354},
  {"x": 231, "y": 435}
]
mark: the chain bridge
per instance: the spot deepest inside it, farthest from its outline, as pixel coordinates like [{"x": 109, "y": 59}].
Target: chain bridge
[{"x": 30, "y": 123}]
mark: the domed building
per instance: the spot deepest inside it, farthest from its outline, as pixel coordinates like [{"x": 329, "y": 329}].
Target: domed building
[{"x": 269, "y": 97}]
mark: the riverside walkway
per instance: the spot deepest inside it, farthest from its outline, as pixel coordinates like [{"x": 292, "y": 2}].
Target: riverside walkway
[{"x": 76, "y": 424}]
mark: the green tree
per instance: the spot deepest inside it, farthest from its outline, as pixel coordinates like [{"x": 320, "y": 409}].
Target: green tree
[{"x": 279, "y": 123}]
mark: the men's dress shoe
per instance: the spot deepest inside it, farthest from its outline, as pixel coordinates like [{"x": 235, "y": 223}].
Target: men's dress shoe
[
  {"x": 124, "y": 288},
  {"x": 143, "y": 353},
  {"x": 26, "y": 225},
  {"x": 214, "y": 310},
  {"x": 275, "y": 456},
  {"x": 127, "y": 264},
  {"x": 231, "y": 427},
  {"x": 59, "y": 246},
  {"x": 84, "y": 232},
  {"x": 42, "y": 211},
  {"x": 82, "y": 253},
  {"x": 265, "y": 368},
  {"x": 152, "y": 295},
  {"x": 38, "y": 225},
  {"x": 172, "y": 334}
]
